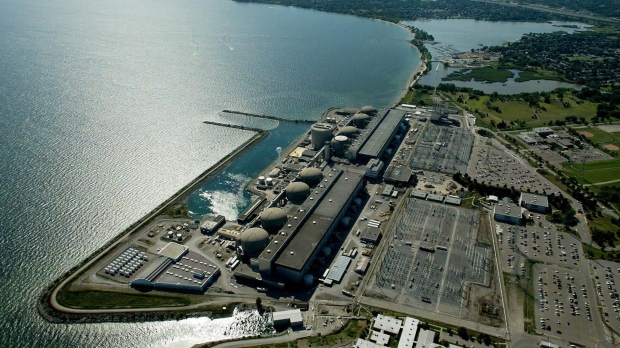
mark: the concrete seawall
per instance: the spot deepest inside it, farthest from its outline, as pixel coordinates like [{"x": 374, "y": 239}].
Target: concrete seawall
[{"x": 49, "y": 295}]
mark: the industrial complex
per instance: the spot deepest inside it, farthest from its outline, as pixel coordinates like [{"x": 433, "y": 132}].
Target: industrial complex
[{"x": 366, "y": 209}]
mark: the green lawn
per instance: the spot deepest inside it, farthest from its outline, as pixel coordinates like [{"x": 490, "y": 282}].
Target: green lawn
[
  {"x": 601, "y": 137},
  {"x": 482, "y": 74},
  {"x": 104, "y": 299},
  {"x": 538, "y": 75},
  {"x": 603, "y": 223},
  {"x": 520, "y": 110},
  {"x": 595, "y": 172}
]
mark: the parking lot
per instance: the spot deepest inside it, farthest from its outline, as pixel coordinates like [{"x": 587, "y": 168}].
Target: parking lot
[
  {"x": 541, "y": 243},
  {"x": 548, "y": 155},
  {"x": 589, "y": 153},
  {"x": 605, "y": 276},
  {"x": 432, "y": 255},
  {"x": 562, "y": 304},
  {"x": 443, "y": 149},
  {"x": 495, "y": 167}
]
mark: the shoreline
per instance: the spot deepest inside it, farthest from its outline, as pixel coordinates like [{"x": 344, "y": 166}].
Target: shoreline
[
  {"x": 48, "y": 304},
  {"x": 52, "y": 311}
]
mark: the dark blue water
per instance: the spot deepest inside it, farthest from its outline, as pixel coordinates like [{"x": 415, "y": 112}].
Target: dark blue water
[{"x": 101, "y": 110}]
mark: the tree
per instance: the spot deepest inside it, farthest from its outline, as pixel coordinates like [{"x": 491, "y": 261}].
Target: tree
[
  {"x": 462, "y": 332},
  {"x": 259, "y": 305}
]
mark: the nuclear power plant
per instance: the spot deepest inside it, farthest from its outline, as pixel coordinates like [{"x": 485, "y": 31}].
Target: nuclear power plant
[{"x": 304, "y": 198}]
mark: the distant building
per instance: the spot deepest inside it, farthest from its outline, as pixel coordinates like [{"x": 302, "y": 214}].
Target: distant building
[
  {"x": 373, "y": 168},
  {"x": 543, "y": 131},
  {"x": 506, "y": 211},
  {"x": 534, "y": 202},
  {"x": 398, "y": 175},
  {"x": 454, "y": 200},
  {"x": 210, "y": 223},
  {"x": 285, "y": 318}
]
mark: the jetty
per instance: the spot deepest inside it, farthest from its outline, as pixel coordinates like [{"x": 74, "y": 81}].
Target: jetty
[
  {"x": 267, "y": 117},
  {"x": 258, "y": 130}
]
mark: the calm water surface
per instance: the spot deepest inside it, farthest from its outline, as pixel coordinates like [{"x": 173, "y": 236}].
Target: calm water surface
[
  {"x": 101, "y": 110},
  {"x": 466, "y": 34}
]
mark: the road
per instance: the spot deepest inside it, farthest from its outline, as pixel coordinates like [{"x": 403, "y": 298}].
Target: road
[
  {"x": 295, "y": 335},
  {"x": 553, "y": 10}
]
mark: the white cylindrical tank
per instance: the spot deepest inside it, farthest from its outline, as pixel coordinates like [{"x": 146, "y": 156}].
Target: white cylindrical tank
[
  {"x": 179, "y": 236},
  {"x": 170, "y": 234},
  {"x": 320, "y": 133},
  {"x": 269, "y": 181},
  {"x": 339, "y": 144},
  {"x": 261, "y": 180}
]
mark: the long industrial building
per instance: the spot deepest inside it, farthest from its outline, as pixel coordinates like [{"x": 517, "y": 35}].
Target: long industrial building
[{"x": 309, "y": 195}]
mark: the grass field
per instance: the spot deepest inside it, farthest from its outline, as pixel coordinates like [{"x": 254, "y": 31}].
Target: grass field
[
  {"x": 520, "y": 110},
  {"x": 595, "y": 172},
  {"x": 104, "y": 299},
  {"x": 601, "y": 137},
  {"x": 482, "y": 74},
  {"x": 538, "y": 75}
]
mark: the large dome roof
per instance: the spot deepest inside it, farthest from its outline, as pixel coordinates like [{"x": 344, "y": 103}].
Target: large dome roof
[
  {"x": 273, "y": 219},
  {"x": 254, "y": 240},
  {"x": 348, "y": 131},
  {"x": 311, "y": 176},
  {"x": 360, "y": 120},
  {"x": 368, "y": 110},
  {"x": 297, "y": 191}
]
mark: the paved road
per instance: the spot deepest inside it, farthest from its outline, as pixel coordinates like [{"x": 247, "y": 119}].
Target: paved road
[{"x": 295, "y": 335}]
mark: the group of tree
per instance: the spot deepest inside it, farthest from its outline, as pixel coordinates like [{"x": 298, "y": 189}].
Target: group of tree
[
  {"x": 396, "y": 10},
  {"x": 588, "y": 57},
  {"x": 483, "y": 189}
]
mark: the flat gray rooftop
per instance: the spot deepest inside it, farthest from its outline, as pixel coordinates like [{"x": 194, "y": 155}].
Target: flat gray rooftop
[
  {"x": 297, "y": 215},
  {"x": 538, "y": 200},
  {"x": 320, "y": 220},
  {"x": 381, "y": 135}
]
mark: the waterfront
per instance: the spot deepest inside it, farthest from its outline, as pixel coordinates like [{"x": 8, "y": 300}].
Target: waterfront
[
  {"x": 102, "y": 107},
  {"x": 466, "y": 34}
]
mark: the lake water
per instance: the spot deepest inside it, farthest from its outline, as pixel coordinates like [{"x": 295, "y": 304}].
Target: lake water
[
  {"x": 101, "y": 108},
  {"x": 465, "y": 34}
]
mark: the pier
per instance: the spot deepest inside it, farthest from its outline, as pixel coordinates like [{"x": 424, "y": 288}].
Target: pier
[
  {"x": 258, "y": 130},
  {"x": 266, "y": 117}
]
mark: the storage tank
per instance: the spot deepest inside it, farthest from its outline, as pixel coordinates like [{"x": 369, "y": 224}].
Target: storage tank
[
  {"x": 368, "y": 110},
  {"x": 311, "y": 176},
  {"x": 360, "y": 120},
  {"x": 339, "y": 144},
  {"x": 320, "y": 133},
  {"x": 273, "y": 219},
  {"x": 348, "y": 131},
  {"x": 261, "y": 180},
  {"x": 297, "y": 191},
  {"x": 269, "y": 181},
  {"x": 170, "y": 234},
  {"x": 308, "y": 279},
  {"x": 345, "y": 221},
  {"x": 179, "y": 236},
  {"x": 254, "y": 240}
]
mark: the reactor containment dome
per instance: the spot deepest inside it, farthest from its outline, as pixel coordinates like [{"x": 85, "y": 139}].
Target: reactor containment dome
[
  {"x": 311, "y": 176},
  {"x": 297, "y": 191},
  {"x": 254, "y": 240},
  {"x": 273, "y": 219}
]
